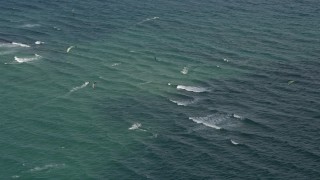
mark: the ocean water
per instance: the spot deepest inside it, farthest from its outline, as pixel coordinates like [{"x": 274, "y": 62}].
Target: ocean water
[{"x": 185, "y": 89}]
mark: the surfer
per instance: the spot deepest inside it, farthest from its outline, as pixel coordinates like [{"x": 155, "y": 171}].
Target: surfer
[{"x": 94, "y": 84}]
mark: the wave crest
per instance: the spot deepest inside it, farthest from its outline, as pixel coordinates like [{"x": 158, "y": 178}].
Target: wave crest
[
  {"x": 192, "y": 88},
  {"x": 22, "y": 60},
  {"x": 218, "y": 121},
  {"x": 135, "y": 126},
  {"x": 13, "y": 44},
  {"x": 79, "y": 87}
]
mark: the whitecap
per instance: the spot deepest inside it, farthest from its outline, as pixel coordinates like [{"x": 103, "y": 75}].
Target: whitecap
[
  {"x": 47, "y": 166},
  {"x": 69, "y": 48},
  {"x": 30, "y": 25},
  {"x": 237, "y": 116},
  {"x": 135, "y": 126},
  {"x": 115, "y": 64},
  {"x": 148, "y": 19},
  {"x": 192, "y": 88},
  {"x": 182, "y": 103},
  {"x": 28, "y": 59},
  {"x": 226, "y": 60},
  {"x": 39, "y": 42},
  {"x": 220, "y": 120},
  {"x": 79, "y": 87},
  {"x": 184, "y": 70},
  {"x": 15, "y": 176},
  {"x": 20, "y": 44},
  {"x": 233, "y": 142},
  {"x": 13, "y": 44},
  {"x": 202, "y": 120}
]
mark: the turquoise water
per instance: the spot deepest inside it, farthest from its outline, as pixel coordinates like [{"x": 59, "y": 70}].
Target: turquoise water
[{"x": 184, "y": 89}]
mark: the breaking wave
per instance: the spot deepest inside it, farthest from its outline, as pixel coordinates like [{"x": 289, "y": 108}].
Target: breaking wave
[
  {"x": 217, "y": 121},
  {"x": 135, "y": 126},
  {"x": 184, "y": 70},
  {"x": 22, "y": 60},
  {"x": 183, "y": 102},
  {"x": 79, "y": 87},
  {"x": 233, "y": 142},
  {"x": 13, "y": 44},
  {"x": 192, "y": 88}
]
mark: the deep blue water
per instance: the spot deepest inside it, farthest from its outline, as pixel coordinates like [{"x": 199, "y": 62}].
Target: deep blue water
[{"x": 224, "y": 89}]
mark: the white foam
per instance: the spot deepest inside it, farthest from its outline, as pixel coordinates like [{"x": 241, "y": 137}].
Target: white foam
[
  {"x": 135, "y": 126},
  {"x": 226, "y": 60},
  {"x": 237, "y": 116},
  {"x": 148, "y": 19},
  {"x": 115, "y": 64},
  {"x": 184, "y": 70},
  {"x": 192, "y": 88},
  {"x": 202, "y": 120},
  {"x": 20, "y": 44},
  {"x": 69, "y": 48},
  {"x": 220, "y": 120},
  {"x": 39, "y": 42},
  {"x": 182, "y": 103},
  {"x": 13, "y": 44},
  {"x": 233, "y": 142},
  {"x": 48, "y": 166},
  {"x": 79, "y": 87},
  {"x": 30, "y": 25},
  {"x": 22, "y": 60}
]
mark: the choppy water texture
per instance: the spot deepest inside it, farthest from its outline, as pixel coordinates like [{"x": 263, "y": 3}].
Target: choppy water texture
[{"x": 184, "y": 89}]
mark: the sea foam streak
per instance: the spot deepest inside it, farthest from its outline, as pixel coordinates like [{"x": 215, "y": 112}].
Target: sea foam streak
[
  {"x": 19, "y": 44},
  {"x": 22, "y": 60},
  {"x": 218, "y": 120},
  {"x": 13, "y": 44},
  {"x": 192, "y": 88},
  {"x": 48, "y": 166},
  {"x": 202, "y": 120},
  {"x": 79, "y": 87},
  {"x": 182, "y": 102},
  {"x": 30, "y": 25},
  {"x": 148, "y": 19}
]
